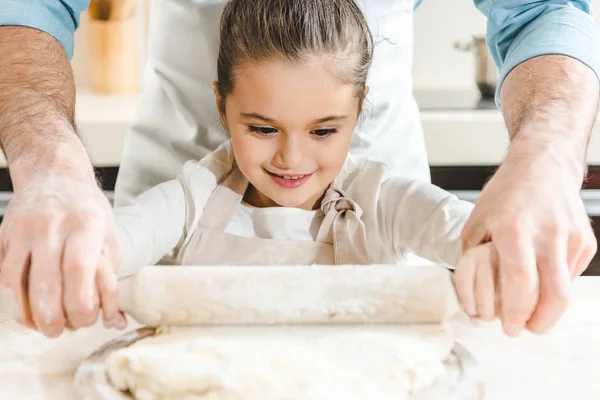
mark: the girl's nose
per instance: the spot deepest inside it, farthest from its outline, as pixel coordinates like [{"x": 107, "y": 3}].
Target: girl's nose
[{"x": 289, "y": 153}]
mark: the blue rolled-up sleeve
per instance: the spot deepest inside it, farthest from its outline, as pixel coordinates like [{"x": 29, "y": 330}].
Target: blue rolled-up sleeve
[
  {"x": 59, "y": 18},
  {"x": 518, "y": 30}
]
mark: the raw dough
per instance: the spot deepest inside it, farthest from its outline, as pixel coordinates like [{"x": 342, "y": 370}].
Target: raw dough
[{"x": 282, "y": 363}]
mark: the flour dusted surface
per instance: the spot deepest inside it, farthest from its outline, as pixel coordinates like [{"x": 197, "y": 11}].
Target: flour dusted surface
[{"x": 276, "y": 363}]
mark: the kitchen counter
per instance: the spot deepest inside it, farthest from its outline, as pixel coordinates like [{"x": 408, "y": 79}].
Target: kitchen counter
[
  {"x": 458, "y": 128},
  {"x": 564, "y": 364}
]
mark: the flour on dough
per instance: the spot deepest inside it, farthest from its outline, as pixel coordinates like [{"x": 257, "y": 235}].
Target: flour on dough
[{"x": 282, "y": 363}]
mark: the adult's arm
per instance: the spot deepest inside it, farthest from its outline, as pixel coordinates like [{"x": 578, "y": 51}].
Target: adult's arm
[
  {"x": 58, "y": 244},
  {"x": 547, "y": 52}
]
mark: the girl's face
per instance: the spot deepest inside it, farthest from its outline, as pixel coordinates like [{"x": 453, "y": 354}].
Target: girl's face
[{"x": 290, "y": 128}]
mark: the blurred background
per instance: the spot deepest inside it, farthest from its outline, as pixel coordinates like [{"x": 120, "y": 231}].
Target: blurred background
[{"x": 437, "y": 64}]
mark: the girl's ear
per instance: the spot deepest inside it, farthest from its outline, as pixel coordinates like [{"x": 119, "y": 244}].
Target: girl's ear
[
  {"x": 217, "y": 95},
  {"x": 218, "y": 104},
  {"x": 366, "y": 90}
]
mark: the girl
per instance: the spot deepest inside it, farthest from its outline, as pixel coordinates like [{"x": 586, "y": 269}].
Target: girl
[{"x": 283, "y": 189}]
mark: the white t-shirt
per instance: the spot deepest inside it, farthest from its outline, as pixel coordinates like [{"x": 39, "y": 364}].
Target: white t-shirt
[{"x": 401, "y": 215}]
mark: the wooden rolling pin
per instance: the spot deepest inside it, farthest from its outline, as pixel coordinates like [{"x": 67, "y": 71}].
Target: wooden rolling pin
[{"x": 275, "y": 295}]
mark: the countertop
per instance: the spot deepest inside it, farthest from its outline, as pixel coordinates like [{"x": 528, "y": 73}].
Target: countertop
[
  {"x": 458, "y": 129},
  {"x": 564, "y": 364}
]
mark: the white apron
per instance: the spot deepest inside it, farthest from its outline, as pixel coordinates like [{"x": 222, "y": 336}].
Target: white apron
[{"x": 178, "y": 120}]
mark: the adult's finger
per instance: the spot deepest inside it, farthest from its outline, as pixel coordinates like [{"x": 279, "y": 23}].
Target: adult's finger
[
  {"x": 517, "y": 275},
  {"x": 485, "y": 282},
  {"x": 555, "y": 285},
  {"x": 8, "y": 301},
  {"x": 583, "y": 262},
  {"x": 464, "y": 282},
  {"x": 575, "y": 250},
  {"x": 474, "y": 233},
  {"x": 81, "y": 256},
  {"x": 581, "y": 249},
  {"x": 109, "y": 298},
  {"x": 14, "y": 277},
  {"x": 45, "y": 280},
  {"x": 114, "y": 251}
]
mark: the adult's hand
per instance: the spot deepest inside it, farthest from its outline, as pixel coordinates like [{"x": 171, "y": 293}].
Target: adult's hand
[
  {"x": 59, "y": 253},
  {"x": 532, "y": 212}
]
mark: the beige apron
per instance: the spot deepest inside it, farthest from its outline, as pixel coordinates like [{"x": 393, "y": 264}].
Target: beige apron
[{"x": 341, "y": 239}]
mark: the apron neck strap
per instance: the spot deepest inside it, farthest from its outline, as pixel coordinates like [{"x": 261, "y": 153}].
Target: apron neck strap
[{"x": 224, "y": 202}]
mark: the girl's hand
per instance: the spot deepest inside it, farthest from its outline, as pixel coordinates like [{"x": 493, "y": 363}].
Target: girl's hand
[{"x": 477, "y": 284}]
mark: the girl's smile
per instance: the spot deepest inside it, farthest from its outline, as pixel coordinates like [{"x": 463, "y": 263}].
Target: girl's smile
[{"x": 289, "y": 181}]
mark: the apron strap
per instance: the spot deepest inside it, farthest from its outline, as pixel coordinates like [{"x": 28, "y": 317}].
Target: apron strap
[
  {"x": 224, "y": 202},
  {"x": 343, "y": 227}
]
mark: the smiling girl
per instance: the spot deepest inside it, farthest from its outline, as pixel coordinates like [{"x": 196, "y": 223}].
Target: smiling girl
[{"x": 290, "y": 89}]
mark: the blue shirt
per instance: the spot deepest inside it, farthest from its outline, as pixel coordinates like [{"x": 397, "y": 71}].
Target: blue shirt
[{"x": 517, "y": 30}]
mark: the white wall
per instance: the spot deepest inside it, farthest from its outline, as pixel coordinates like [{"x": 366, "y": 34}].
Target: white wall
[{"x": 438, "y": 24}]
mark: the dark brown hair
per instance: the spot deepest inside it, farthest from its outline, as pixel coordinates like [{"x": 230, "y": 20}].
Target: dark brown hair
[{"x": 253, "y": 31}]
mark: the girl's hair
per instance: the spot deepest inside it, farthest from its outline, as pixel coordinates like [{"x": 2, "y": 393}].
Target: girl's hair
[{"x": 253, "y": 31}]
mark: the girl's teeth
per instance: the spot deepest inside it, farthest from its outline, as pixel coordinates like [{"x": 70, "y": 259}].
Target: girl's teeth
[{"x": 293, "y": 178}]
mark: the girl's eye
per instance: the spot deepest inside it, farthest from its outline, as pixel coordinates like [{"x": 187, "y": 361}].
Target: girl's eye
[
  {"x": 262, "y": 130},
  {"x": 322, "y": 133}
]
